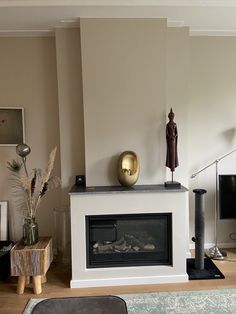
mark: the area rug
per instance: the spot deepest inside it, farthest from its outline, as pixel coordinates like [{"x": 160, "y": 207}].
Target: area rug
[{"x": 220, "y": 301}]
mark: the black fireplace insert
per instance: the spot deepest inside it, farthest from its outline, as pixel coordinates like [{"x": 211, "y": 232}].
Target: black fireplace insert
[{"x": 129, "y": 240}]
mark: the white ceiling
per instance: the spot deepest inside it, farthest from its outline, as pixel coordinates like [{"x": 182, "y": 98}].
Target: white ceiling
[{"x": 203, "y": 17}]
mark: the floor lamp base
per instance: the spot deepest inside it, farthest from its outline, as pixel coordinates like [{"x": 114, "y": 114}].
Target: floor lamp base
[{"x": 216, "y": 253}]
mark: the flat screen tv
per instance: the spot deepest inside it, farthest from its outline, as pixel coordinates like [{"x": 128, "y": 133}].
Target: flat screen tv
[{"x": 227, "y": 196}]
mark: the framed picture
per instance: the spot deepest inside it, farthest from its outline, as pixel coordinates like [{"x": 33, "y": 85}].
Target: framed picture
[
  {"x": 11, "y": 126},
  {"x": 3, "y": 221}
]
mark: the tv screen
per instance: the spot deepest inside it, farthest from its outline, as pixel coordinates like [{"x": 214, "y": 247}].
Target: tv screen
[{"x": 227, "y": 196}]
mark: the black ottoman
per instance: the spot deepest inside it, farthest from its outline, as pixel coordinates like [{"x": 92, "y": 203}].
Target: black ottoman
[{"x": 82, "y": 305}]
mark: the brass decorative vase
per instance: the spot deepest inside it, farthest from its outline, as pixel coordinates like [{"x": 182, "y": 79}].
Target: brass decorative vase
[
  {"x": 30, "y": 231},
  {"x": 128, "y": 168}
]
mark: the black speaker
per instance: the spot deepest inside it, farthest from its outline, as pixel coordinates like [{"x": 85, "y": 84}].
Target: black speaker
[{"x": 80, "y": 180}]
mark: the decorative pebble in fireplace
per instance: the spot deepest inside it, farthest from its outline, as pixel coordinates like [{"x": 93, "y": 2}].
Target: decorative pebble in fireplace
[{"x": 128, "y": 240}]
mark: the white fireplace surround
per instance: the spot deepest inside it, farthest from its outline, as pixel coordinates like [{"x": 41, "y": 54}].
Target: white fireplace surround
[{"x": 99, "y": 201}]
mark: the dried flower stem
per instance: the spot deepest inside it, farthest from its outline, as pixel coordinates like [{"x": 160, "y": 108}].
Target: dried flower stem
[{"x": 34, "y": 186}]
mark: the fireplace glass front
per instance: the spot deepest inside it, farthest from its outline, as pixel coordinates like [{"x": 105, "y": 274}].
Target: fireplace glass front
[{"x": 129, "y": 240}]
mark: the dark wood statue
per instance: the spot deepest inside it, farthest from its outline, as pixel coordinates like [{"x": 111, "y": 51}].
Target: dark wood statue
[{"x": 171, "y": 144}]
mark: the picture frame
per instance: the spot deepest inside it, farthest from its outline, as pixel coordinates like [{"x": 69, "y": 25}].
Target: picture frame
[
  {"x": 12, "y": 131},
  {"x": 3, "y": 220}
]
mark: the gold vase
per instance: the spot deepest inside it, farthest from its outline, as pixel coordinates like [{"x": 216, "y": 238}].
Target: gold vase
[{"x": 128, "y": 168}]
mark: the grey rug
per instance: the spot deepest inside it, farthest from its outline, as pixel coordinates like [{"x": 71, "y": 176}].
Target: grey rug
[{"x": 217, "y": 301}]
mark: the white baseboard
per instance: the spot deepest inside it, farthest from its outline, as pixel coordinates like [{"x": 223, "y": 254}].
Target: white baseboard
[
  {"x": 86, "y": 283},
  {"x": 220, "y": 245}
]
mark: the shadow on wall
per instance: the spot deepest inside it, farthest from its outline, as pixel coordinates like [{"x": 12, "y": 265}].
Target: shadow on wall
[
  {"x": 112, "y": 170},
  {"x": 62, "y": 244},
  {"x": 15, "y": 222},
  {"x": 229, "y": 135},
  {"x": 156, "y": 153},
  {"x": 105, "y": 169}
]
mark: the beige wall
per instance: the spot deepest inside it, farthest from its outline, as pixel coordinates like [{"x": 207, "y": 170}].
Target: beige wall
[
  {"x": 124, "y": 90},
  {"x": 28, "y": 79},
  {"x": 133, "y": 71},
  {"x": 177, "y": 95},
  {"x": 212, "y": 121},
  {"x": 70, "y": 100}
]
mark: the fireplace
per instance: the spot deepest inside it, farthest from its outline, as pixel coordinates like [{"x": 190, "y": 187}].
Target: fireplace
[
  {"x": 128, "y": 236},
  {"x": 128, "y": 240}
]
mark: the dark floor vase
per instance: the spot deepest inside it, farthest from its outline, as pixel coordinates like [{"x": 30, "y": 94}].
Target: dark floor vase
[{"x": 30, "y": 231}]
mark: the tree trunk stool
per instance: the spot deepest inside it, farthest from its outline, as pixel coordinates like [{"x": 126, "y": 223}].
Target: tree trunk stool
[{"x": 31, "y": 261}]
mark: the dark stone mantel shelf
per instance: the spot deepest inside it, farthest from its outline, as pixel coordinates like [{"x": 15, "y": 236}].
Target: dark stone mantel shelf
[{"x": 154, "y": 188}]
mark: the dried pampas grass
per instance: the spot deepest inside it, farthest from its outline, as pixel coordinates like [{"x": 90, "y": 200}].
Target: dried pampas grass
[{"x": 29, "y": 189}]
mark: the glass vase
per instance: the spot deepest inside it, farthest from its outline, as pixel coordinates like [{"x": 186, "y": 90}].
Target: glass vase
[{"x": 30, "y": 231}]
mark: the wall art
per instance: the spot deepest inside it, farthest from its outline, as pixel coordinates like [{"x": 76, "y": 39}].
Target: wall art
[
  {"x": 11, "y": 126},
  {"x": 3, "y": 220}
]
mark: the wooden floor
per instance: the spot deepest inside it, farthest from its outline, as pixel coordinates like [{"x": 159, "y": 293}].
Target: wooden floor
[{"x": 59, "y": 276}]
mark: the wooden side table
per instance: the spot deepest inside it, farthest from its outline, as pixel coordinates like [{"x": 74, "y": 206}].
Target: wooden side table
[{"x": 34, "y": 260}]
